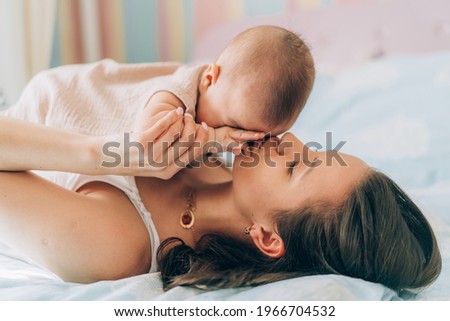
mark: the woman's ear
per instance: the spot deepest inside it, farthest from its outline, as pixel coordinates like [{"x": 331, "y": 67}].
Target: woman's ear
[
  {"x": 268, "y": 241},
  {"x": 210, "y": 75}
]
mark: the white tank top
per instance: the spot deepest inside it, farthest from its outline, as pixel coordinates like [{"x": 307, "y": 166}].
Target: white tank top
[{"x": 127, "y": 184}]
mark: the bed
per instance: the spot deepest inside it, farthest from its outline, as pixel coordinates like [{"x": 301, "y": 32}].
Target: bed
[{"x": 383, "y": 88}]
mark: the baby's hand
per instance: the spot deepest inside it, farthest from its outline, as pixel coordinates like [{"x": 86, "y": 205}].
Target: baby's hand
[{"x": 232, "y": 139}]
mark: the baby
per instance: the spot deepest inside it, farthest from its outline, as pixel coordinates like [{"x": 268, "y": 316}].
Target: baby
[{"x": 259, "y": 83}]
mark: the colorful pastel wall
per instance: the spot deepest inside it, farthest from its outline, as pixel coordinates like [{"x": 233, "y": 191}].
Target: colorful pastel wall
[{"x": 153, "y": 30}]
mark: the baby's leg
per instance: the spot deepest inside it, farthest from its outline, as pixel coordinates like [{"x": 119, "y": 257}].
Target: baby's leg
[{"x": 82, "y": 238}]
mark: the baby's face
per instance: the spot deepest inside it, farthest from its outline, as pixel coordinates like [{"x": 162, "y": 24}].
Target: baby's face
[{"x": 218, "y": 109}]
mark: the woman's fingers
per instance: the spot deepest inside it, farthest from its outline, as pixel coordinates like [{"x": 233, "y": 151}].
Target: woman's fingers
[
  {"x": 193, "y": 153},
  {"x": 188, "y": 135},
  {"x": 191, "y": 147},
  {"x": 196, "y": 149},
  {"x": 184, "y": 143},
  {"x": 160, "y": 124},
  {"x": 159, "y": 145}
]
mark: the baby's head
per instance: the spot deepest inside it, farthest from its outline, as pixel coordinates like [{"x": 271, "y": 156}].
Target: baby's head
[{"x": 260, "y": 82}]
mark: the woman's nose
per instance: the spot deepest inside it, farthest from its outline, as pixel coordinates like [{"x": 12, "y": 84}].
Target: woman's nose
[
  {"x": 270, "y": 142},
  {"x": 289, "y": 140}
]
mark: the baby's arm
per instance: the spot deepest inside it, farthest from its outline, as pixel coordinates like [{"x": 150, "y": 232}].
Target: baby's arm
[
  {"x": 232, "y": 139},
  {"x": 161, "y": 102}
]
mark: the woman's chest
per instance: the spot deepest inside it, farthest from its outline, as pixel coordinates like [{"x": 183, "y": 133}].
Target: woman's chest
[{"x": 165, "y": 201}]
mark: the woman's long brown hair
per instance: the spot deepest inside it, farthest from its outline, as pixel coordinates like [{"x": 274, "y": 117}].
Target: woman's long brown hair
[{"x": 378, "y": 234}]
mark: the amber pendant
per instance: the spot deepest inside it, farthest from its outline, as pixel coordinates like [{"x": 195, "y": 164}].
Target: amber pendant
[{"x": 187, "y": 219}]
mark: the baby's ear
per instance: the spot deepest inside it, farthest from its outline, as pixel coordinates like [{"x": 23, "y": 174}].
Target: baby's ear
[{"x": 211, "y": 74}]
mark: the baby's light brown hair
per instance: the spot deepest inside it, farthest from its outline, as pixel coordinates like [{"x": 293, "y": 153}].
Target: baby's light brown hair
[{"x": 276, "y": 66}]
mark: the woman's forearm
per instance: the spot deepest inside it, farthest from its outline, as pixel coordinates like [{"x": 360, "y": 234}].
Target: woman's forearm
[
  {"x": 161, "y": 150},
  {"x": 30, "y": 146}
]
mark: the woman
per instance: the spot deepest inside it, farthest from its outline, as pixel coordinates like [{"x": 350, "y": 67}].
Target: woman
[{"x": 284, "y": 211}]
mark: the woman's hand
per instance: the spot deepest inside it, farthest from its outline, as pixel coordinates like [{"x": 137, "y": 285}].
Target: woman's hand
[{"x": 170, "y": 144}]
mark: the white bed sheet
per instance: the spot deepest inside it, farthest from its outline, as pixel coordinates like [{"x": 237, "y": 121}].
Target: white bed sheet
[{"x": 393, "y": 112}]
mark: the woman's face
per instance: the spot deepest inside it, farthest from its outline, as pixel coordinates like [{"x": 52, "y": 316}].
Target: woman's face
[{"x": 283, "y": 174}]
